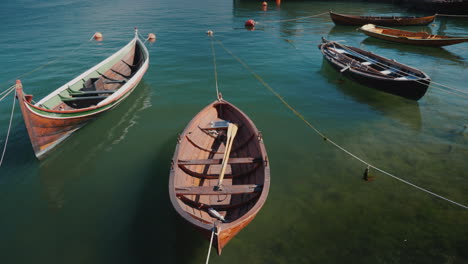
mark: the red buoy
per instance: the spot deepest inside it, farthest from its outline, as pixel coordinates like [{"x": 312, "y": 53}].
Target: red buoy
[
  {"x": 97, "y": 36},
  {"x": 250, "y": 23},
  {"x": 264, "y": 3},
  {"x": 278, "y": 2}
]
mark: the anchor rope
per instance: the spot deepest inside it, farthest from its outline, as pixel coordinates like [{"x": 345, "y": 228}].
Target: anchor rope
[
  {"x": 326, "y": 139},
  {"x": 47, "y": 63},
  {"x": 211, "y": 244},
  {"x": 293, "y": 19},
  {"x": 9, "y": 128},
  {"x": 214, "y": 66},
  {"x": 401, "y": 72},
  {"x": 7, "y": 92}
]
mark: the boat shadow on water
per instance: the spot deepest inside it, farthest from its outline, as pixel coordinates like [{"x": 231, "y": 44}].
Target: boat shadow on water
[
  {"x": 152, "y": 236},
  {"x": 97, "y": 137},
  {"x": 400, "y": 109}
]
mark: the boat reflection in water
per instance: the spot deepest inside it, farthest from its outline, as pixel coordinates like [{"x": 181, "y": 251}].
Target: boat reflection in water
[
  {"x": 400, "y": 109},
  {"x": 78, "y": 156}
]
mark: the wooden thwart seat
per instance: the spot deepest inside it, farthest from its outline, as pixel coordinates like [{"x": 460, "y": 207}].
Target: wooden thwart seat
[
  {"x": 84, "y": 93},
  {"x": 211, "y": 190},
  {"x": 82, "y": 98},
  {"x": 219, "y": 161}
]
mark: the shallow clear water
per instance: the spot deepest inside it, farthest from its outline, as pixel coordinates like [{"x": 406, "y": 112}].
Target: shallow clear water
[{"x": 102, "y": 196}]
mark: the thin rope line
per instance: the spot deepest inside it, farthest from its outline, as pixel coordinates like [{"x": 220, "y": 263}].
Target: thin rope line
[
  {"x": 398, "y": 71},
  {"x": 327, "y": 139},
  {"x": 214, "y": 65},
  {"x": 293, "y": 19},
  {"x": 7, "y": 91},
  {"x": 9, "y": 127},
  {"x": 209, "y": 249},
  {"x": 48, "y": 63}
]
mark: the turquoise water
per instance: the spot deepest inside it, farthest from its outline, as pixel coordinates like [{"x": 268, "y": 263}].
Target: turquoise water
[{"x": 102, "y": 196}]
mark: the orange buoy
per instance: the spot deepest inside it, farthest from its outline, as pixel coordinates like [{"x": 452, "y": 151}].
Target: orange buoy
[
  {"x": 151, "y": 37},
  {"x": 264, "y": 3},
  {"x": 97, "y": 36},
  {"x": 278, "y": 2},
  {"x": 250, "y": 23},
  {"x": 209, "y": 33}
]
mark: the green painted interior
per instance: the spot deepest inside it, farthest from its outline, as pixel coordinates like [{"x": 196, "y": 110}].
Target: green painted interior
[{"x": 56, "y": 100}]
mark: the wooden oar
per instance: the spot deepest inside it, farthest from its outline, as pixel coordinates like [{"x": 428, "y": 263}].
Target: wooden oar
[{"x": 231, "y": 134}]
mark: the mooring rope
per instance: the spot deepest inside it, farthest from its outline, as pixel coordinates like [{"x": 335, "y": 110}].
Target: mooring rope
[
  {"x": 326, "y": 139},
  {"x": 9, "y": 128},
  {"x": 48, "y": 63},
  {"x": 211, "y": 244},
  {"x": 7, "y": 92},
  {"x": 403, "y": 73},
  {"x": 293, "y": 19},
  {"x": 214, "y": 66}
]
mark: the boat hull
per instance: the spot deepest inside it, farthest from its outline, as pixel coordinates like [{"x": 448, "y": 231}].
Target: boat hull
[
  {"x": 47, "y": 127},
  {"x": 240, "y": 209},
  {"x": 413, "y": 90},
  {"x": 414, "y": 38},
  {"x": 411, "y": 85},
  {"x": 349, "y": 20}
]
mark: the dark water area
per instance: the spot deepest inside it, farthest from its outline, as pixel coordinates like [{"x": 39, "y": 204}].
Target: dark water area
[{"x": 102, "y": 196}]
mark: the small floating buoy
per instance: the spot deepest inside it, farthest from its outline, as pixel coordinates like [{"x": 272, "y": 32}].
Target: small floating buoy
[
  {"x": 209, "y": 33},
  {"x": 151, "y": 37},
  {"x": 278, "y": 2},
  {"x": 97, "y": 36},
  {"x": 264, "y": 3},
  {"x": 250, "y": 23}
]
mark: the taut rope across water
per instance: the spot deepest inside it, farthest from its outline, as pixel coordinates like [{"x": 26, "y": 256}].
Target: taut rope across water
[{"x": 326, "y": 139}]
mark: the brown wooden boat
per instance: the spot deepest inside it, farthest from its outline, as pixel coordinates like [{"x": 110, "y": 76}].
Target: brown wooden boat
[
  {"x": 209, "y": 152},
  {"x": 55, "y": 117},
  {"x": 410, "y": 37},
  {"x": 351, "y": 20}
]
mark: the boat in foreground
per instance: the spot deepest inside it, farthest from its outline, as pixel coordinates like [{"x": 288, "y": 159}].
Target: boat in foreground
[
  {"x": 375, "y": 71},
  {"x": 352, "y": 20},
  {"x": 55, "y": 117},
  {"x": 410, "y": 37},
  {"x": 219, "y": 178}
]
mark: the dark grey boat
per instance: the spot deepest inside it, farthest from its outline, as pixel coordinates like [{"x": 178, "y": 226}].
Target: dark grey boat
[{"x": 375, "y": 71}]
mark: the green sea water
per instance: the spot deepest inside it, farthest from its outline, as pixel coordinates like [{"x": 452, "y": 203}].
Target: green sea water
[{"x": 102, "y": 196}]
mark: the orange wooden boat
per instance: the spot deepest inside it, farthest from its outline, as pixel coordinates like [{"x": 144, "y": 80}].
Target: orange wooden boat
[
  {"x": 351, "y": 20},
  {"x": 206, "y": 151},
  {"x": 52, "y": 119},
  {"x": 409, "y": 37}
]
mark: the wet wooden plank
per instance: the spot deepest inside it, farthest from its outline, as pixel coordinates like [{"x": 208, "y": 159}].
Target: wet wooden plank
[{"x": 211, "y": 190}]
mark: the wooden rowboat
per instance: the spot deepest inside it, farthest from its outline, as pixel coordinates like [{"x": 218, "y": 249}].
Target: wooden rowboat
[
  {"x": 375, "y": 71},
  {"x": 203, "y": 156},
  {"x": 351, "y": 20},
  {"x": 52, "y": 119},
  {"x": 409, "y": 37}
]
